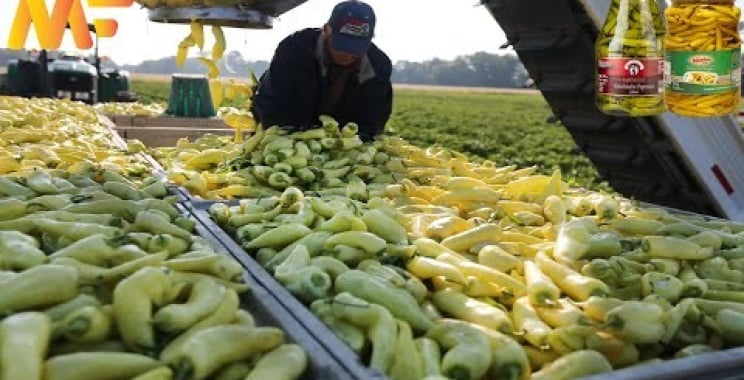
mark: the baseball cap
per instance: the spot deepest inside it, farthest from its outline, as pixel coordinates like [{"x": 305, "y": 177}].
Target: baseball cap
[{"x": 352, "y": 26}]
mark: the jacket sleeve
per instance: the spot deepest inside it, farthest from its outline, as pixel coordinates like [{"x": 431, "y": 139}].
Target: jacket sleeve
[
  {"x": 376, "y": 110},
  {"x": 274, "y": 101}
]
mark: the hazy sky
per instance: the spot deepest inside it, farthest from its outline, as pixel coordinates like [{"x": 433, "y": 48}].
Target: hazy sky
[{"x": 413, "y": 30}]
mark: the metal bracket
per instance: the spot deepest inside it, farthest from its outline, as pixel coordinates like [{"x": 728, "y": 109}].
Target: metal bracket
[{"x": 234, "y": 17}]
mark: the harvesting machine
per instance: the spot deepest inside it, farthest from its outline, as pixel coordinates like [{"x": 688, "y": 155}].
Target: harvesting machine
[
  {"x": 69, "y": 75},
  {"x": 684, "y": 163}
]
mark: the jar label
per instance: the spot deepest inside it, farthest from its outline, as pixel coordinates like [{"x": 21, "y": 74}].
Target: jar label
[
  {"x": 702, "y": 72},
  {"x": 630, "y": 76}
]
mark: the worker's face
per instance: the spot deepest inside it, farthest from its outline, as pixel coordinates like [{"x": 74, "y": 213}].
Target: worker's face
[{"x": 340, "y": 58}]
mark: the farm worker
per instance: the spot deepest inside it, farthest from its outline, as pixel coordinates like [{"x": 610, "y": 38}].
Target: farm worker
[{"x": 335, "y": 70}]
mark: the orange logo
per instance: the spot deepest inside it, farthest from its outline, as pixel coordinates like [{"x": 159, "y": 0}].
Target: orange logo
[{"x": 50, "y": 28}]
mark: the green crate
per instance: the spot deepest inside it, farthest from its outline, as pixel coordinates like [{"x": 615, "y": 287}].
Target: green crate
[{"x": 190, "y": 97}]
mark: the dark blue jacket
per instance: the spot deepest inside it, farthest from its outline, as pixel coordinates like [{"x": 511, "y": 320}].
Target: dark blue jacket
[{"x": 291, "y": 92}]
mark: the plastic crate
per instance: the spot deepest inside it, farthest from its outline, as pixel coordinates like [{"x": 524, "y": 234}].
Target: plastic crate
[{"x": 303, "y": 315}]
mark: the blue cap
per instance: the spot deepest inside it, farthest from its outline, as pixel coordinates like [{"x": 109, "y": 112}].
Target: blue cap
[{"x": 352, "y": 26}]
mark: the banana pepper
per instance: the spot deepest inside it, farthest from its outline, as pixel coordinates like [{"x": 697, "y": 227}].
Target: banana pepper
[
  {"x": 376, "y": 290},
  {"x": 306, "y": 282},
  {"x": 19, "y": 251},
  {"x": 378, "y": 322},
  {"x": 468, "y": 350},
  {"x": 636, "y": 321},
  {"x": 24, "y": 342},
  {"x": 133, "y": 300}
]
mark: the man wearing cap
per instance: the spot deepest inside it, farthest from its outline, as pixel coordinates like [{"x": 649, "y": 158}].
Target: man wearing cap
[{"x": 335, "y": 70}]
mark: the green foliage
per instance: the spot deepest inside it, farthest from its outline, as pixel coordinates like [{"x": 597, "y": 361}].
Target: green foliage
[
  {"x": 158, "y": 91},
  {"x": 150, "y": 91}
]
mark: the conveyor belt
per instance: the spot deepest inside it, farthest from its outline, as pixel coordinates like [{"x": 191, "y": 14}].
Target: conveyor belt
[{"x": 642, "y": 158}]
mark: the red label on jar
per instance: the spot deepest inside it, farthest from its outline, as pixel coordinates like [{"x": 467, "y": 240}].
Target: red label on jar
[{"x": 630, "y": 76}]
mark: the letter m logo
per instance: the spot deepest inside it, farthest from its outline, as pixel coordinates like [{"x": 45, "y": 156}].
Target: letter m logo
[{"x": 50, "y": 28}]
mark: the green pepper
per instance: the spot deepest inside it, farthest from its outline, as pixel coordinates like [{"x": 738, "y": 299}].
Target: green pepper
[
  {"x": 166, "y": 242},
  {"x": 662, "y": 284},
  {"x": 731, "y": 323},
  {"x": 147, "y": 221},
  {"x": 367, "y": 241},
  {"x": 408, "y": 363},
  {"x": 306, "y": 282},
  {"x": 159, "y": 373},
  {"x": 279, "y": 237},
  {"x": 224, "y": 314},
  {"x": 60, "y": 310},
  {"x": 707, "y": 239},
  {"x": 349, "y": 333},
  {"x": 64, "y": 216},
  {"x": 572, "y": 242},
  {"x": 373, "y": 289},
  {"x": 469, "y": 309},
  {"x": 73, "y": 230},
  {"x": 468, "y": 352},
  {"x": 724, "y": 295},
  {"x": 286, "y": 362},
  {"x": 305, "y": 214},
  {"x": 636, "y": 226},
  {"x": 431, "y": 356},
  {"x": 731, "y": 254},
  {"x": 636, "y": 321},
  {"x": 88, "y": 324},
  {"x": 133, "y": 301},
  {"x": 723, "y": 285},
  {"x": 384, "y": 272},
  {"x": 693, "y": 285},
  {"x": 204, "y": 298},
  {"x": 96, "y": 365},
  {"x": 330, "y": 265},
  {"x": 40, "y": 286},
  {"x": 618, "y": 352},
  {"x": 312, "y": 242},
  {"x": 207, "y": 350},
  {"x": 674, "y": 248},
  {"x": 357, "y": 190},
  {"x": 666, "y": 266},
  {"x": 23, "y": 346},
  {"x": 574, "y": 365},
  {"x": 207, "y": 262},
  {"x": 378, "y": 323},
  {"x": 10, "y": 188},
  {"x": 13, "y": 208},
  {"x": 125, "y": 191},
  {"x": 673, "y": 319},
  {"x": 235, "y": 371},
  {"x": 717, "y": 268},
  {"x": 19, "y": 251},
  {"x": 385, "y": 227},
  {"x": 343, "y": 221},
  {"x": 100, "y": 250}
]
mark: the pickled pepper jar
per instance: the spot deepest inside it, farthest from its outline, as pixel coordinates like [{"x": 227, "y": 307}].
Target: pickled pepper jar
[
  {"x": 703, "y": 58},
  {"x": 630, "y": 58}
]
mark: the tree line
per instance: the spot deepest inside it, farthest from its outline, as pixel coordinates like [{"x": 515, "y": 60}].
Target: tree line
[{"x": 475, "y": 70}]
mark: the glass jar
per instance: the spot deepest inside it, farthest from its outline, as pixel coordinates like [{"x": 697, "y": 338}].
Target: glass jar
[
  {"x": 629, "y": 51},
  {"x": 702, "y": 65}
]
